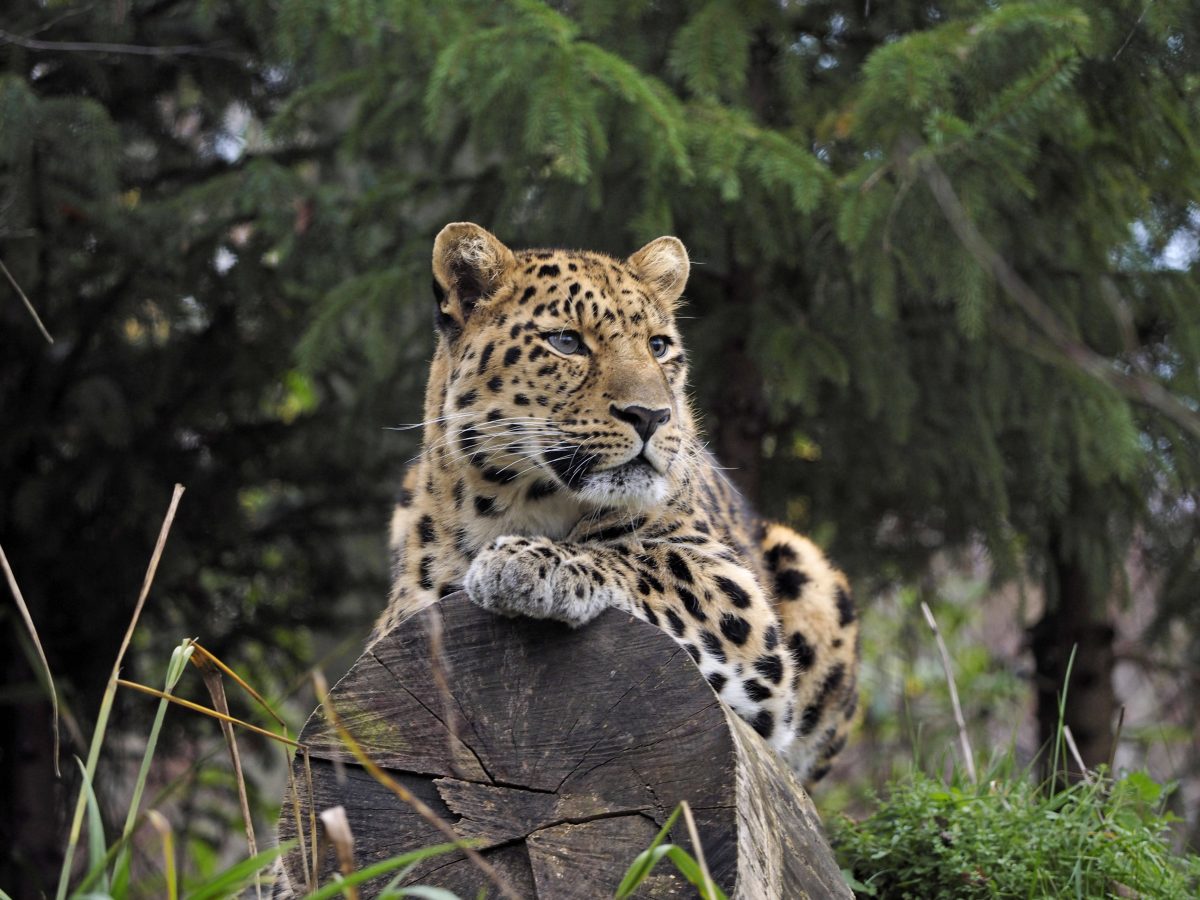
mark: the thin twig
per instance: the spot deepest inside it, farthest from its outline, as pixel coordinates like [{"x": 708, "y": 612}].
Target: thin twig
[
  {"x": 148, "y": 580},
  {"x": 127, "y": 49},
  {"x": 28, "y": 305},
  {"x": 202, "y": 658},
  {"x": 310, "y": 877},
  {"x": 405, "y": 795},
  {"x": 202, "y": 655},
  {"x": 1133, "y": 30},
  {"x": 968, "y": 755},
  {"x": 294, "y": 794},
  {"x": 16, "y": 592}
]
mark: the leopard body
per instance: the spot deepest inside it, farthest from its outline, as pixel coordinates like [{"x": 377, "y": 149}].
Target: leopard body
[{"x": 562, "y": 474}]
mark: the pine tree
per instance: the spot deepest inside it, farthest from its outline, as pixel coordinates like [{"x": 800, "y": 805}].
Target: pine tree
[{"x": 945, "y": 290}]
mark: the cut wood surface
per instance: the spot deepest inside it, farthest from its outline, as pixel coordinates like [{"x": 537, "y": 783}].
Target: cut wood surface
[{"x": 560, "y": 753}]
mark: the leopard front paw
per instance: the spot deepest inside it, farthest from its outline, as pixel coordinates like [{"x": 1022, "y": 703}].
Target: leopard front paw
[
  {"x": 531, "y": 577},
  {"x": 510, "y": 578}
]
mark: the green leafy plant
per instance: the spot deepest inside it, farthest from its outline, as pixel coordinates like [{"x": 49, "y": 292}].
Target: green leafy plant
[{"x": 1010, "y": 836}]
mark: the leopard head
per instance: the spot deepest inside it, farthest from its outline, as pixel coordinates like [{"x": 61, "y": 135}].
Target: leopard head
[{"x": 560, "y": 371}]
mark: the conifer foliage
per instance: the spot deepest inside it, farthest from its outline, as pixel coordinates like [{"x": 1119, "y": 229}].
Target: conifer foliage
[{"x": 945, "y": 289}]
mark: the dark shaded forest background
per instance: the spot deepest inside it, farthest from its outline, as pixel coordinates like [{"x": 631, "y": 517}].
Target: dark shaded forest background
[{"x": 944, "y": 316}]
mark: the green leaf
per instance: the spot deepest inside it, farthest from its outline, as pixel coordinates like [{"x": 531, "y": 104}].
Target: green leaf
[
  {"x": 1144, "y": 787},
  {"x": 229, "y": 883},
  {"x": 423, "y": 891},
  {"x": 330, "y": 891},
  {"x": 644, "y": 862}
]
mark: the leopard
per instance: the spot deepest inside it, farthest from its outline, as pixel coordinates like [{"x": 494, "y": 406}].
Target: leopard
[{"x": 562, "y": 473}]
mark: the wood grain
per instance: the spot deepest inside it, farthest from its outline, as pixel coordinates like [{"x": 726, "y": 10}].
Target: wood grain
[{"x": 561, "y": 752}]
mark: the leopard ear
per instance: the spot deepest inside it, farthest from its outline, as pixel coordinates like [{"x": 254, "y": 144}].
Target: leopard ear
[
  {"x": 663, "y": 265},
  {"x": 469, "y": 263}
]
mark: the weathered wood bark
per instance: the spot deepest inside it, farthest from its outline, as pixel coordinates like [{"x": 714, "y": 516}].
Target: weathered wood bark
[{"x": 561, "y": 752}]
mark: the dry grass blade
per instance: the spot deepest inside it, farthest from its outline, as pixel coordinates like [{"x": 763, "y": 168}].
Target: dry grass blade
[
  {"x": 337, "y": 829},
  {"x": 110, "y": 690},
  {"x": 196, "y": 707},
  {"x": 1074, "y": 748},
  {"x": 205, "y": 656},
  {"x": 968, "y": 754},
  {"x": 294, "y": 796},
  {"x": 163, "y": 827},
  {"x": 151, "y": 571},
  {"x": 404, "y": 794},
  {"x": 1112, "y": 756},
  {"x": 437, "y": 658},
  {"x": 16, "y": 592},
  {"x": 311, "y": 875},
  {"x": 710, "y": 886},
  {"x": 216, "y": 689},
  {"x": 28, "y": 305}
]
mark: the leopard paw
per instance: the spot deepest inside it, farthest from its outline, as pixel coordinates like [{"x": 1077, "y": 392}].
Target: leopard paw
[{"x": 533, "y": 577}]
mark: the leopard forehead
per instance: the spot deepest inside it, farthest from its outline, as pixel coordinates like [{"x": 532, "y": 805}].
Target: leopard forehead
[{"x": 580, "y": 289}]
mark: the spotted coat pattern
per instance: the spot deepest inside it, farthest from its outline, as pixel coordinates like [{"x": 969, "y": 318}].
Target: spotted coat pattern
[{"x": 561, "y": 474}]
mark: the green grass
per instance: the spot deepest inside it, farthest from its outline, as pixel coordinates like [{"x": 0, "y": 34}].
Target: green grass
[{"x": 1012, "y": 836}]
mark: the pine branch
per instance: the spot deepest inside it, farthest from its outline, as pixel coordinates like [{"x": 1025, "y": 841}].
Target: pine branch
[{"x": 1134, "y": 387}]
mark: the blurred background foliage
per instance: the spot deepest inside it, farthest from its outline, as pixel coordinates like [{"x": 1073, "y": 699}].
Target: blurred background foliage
[{"x": 944, "y": 316}]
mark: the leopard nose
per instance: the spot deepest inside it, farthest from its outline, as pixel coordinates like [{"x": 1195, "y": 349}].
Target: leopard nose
[{"x": 644, "y": 421}]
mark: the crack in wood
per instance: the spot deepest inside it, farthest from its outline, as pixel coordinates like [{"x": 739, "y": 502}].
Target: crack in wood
[
  {"x": 449, "y": 730},
  {"x": 532, "y": 696}
]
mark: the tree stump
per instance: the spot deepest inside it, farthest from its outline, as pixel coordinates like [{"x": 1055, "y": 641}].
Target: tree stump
[{"x": 561, "y": 752}]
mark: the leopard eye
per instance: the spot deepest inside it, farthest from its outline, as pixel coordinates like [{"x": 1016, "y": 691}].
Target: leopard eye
[
  {"x": 659, "y": 345},
  {"x": 567, "y": 343}
]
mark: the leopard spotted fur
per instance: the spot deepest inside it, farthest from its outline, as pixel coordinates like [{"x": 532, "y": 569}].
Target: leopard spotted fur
[{"x": 562, "y": 474}]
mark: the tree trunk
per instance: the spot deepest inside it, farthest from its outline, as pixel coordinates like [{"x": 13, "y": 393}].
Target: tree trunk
[
  {"x": 561, "y": 753},
  {"x": 1075, "y": 620}
]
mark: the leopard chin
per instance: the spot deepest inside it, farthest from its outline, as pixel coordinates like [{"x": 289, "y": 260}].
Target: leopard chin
[{"x": 633, "y": 485}]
